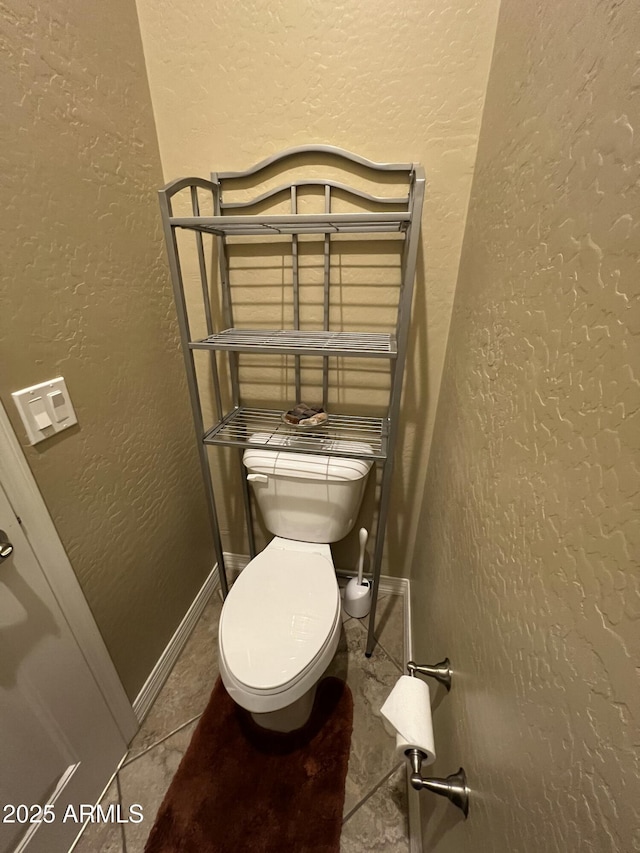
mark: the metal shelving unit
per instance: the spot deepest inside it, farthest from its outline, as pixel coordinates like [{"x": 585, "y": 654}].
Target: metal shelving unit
[{"x": 242, "y": 425}]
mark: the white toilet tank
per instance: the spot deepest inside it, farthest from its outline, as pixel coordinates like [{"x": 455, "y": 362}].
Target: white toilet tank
[{"x": 305, "y": 497}]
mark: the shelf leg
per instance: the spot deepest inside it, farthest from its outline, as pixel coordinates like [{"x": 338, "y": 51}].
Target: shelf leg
[
  {"x": 192, "y": 382},
  {"x": 213, "y": 519},
  {"x": 385, "y": 489},
  {"x": 246, "y": 498}
]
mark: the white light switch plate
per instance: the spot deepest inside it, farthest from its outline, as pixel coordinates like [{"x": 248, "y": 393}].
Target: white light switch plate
[{"x": 45, "y": 409}]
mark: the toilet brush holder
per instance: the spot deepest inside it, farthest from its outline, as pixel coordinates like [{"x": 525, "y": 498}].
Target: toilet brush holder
[{"x": 357, "y": 598}]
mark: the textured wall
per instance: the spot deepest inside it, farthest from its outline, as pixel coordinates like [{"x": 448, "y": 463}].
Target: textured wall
[
  {"x": 86, "y": 295},
  {"x": 527, "y": 567},
  {"x": 234, "y": 82}
]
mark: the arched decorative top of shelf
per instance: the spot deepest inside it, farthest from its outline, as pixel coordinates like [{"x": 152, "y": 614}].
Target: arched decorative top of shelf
[
  {"x": 178, "y": 184},
  {"x": 332, "y": 150},
  {"x": 236, "y": 205},
  {"x": 238, "y": 217}
]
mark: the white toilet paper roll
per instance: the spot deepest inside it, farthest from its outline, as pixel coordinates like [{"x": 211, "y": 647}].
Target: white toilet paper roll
[{"x": 408, "y": 710}]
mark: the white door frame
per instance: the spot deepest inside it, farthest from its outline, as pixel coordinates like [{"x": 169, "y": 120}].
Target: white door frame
[{"x": 26, "y": 500}]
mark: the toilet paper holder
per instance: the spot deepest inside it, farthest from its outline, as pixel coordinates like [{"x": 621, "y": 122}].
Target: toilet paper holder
[
  {"x": 440, "y": 671},
  {"x": 453, "y": 787}
]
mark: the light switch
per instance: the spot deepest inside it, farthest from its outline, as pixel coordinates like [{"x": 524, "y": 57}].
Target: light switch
[
  {"x": 59, "y": 405},
  {"x": 45, "y": 409},
  {"x": 39, "y": 414}
]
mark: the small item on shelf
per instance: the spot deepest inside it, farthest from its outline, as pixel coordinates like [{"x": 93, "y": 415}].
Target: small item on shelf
[{"x": 305, "y": 416}]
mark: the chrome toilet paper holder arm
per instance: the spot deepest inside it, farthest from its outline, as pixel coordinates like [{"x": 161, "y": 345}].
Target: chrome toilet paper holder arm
[
  {"x": 440, "y": 671},
  {"x": 453, "y": 787}
]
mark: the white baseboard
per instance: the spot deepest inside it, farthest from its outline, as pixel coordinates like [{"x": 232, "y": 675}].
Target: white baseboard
[
  {"x": 235, "y": 563},
  {"x": 413, "y": 796},
  {"x": 415, "y": 822},
  {"x": 393, "y": 586},
  {"x": 402, "y": 587},
  {"x": 159, "y": 674}
]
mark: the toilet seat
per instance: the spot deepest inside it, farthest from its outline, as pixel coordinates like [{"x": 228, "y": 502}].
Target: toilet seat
[{"x": 279, "y": 628}]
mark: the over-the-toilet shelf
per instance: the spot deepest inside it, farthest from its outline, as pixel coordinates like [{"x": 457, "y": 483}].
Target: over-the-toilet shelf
[{"x": 225, "y": 208}]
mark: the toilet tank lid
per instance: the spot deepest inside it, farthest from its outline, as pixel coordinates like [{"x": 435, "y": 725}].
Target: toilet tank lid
[{"x": 306, "y": 466}]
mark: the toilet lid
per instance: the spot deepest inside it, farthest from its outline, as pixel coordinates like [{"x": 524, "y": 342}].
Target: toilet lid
[{"x": 277, "y": 617}]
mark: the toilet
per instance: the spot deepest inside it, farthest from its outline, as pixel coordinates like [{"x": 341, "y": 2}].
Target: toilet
[{"x": 280, "y": 623}]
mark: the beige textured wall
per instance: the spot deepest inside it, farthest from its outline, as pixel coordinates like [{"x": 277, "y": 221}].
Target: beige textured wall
[
  {"x": 234, "y": 82},
  {"x": 85, "y": 294},
  {"x": 527, "y": 569}
]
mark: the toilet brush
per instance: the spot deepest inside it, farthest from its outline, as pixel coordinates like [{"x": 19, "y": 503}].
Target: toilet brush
[{"x": 357, "y": 595}]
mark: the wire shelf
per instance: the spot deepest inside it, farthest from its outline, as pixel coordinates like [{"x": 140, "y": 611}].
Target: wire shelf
[
  {"x": 293, "y": 342},
  {"x": 295, "y": 223},
  {"x": 342, "y": 435}
]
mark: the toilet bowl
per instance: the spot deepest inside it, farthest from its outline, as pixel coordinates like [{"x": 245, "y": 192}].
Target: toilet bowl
[
  {"x": 279, "y": 631},
  {"x": 280, "y": 622}
]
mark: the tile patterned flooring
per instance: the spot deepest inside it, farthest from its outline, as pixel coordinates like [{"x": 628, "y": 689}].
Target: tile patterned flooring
[{"x": 375, "y": 809}]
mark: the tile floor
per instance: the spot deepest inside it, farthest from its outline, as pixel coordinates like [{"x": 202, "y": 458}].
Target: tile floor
[{"x": 375, "y": 808}]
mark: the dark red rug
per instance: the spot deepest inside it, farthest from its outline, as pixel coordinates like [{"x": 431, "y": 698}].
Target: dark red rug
[{"x": 240, "y": 788}]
